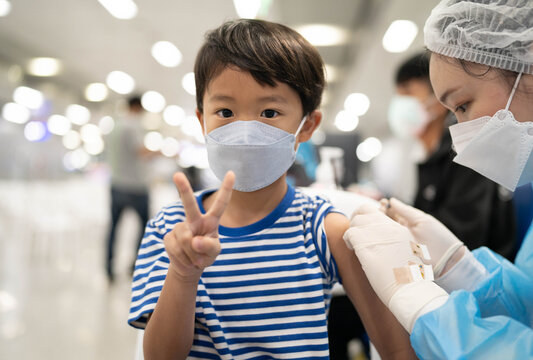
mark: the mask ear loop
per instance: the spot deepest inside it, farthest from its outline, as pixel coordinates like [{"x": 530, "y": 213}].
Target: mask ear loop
[
  {"x": 298, "y": 130},
  {"x": 513, "y": 91}
]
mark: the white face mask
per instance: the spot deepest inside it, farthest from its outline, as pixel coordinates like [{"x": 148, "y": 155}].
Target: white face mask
[
  {"x": 497, "y": 147},
  {"x": 256, "y": 152},
  {"x": 407, "y": 116}
]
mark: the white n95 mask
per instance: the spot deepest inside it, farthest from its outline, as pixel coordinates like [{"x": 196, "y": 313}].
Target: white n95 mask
[
  {"x": 256, "y": 152},
  {"x": 497, "y": 147}
]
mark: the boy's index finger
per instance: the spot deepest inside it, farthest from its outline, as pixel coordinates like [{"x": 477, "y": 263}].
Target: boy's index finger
[
  {"x": 192, "y": 212},
  {"x": 223, "y": 196}
]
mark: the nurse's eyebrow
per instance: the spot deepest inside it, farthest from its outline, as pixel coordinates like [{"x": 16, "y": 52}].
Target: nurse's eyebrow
[{"x": 446, "y": 94}]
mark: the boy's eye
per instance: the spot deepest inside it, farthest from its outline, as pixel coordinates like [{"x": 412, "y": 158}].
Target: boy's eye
[
  {"x": 269, "y": 113},
  {"x": 225, "y": 113}
]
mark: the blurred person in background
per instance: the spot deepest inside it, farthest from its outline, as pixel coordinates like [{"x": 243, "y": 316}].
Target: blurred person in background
[{"x": 129, "y": 181}]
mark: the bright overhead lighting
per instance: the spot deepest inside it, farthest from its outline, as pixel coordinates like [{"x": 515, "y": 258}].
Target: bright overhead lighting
[
  {"x": 188, "y": 83},
  {"x": 247, "y": 9},
  {"x": 96, "y": 92},
  {"x": 76, "y": 160},
  {"x": 95, "y": 147},
  {"x": 121, "y": 9},
  {"x": 106, "y": 125},
  {"x": 166, "y": 53},
  {"x": 153, "y": 140},
  {"x": 170, "y": 147},
  {"x": 16, "y": 113},
  {"x": 153, "y": 101},
  {"x": 120, "y": 82},
  {"x": 323, "y": 35},
  {"x": 35, "y": 131},
  {"x": 58, "y": 124},
  {"x": 5, "y": 8},
  {"x": 78, "y": 114},
  {"x": 368, "y": 149},
  {"x": 357, "y": 103},
  {"x": 28, "y": 97},
  {"x": 90, "y": 133},
  {"x": 44, "y": 66},
  {"x": 174, "y": 115},
  {"x": 71, "y": 140},
  {"x": 399, "y": 36},
  {"x": 346, "y": 121}
]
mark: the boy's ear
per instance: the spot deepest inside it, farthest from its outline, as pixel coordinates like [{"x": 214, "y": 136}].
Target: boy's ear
[
  {"x": 311, "y": 124},
  {"x": 200, "y": 117}
]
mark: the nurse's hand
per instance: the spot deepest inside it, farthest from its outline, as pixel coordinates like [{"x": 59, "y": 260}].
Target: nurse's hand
[
  {"x": 382, "y": 245},
  {"x": 442, "y": 244},
  {"x": 193, "y": 244},
  {"x": 384, "y": 248}
]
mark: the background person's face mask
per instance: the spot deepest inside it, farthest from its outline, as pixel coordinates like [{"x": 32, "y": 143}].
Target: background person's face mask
[
  {"x": 407, "y": 116},
  {"x": 497, "y": 147},
  {"x": 256, "y": 152}
]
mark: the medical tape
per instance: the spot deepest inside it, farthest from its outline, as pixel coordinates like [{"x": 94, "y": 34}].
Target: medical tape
[
  {"x": 420, "y": 250},
  {"x": 413, "y": 273}
]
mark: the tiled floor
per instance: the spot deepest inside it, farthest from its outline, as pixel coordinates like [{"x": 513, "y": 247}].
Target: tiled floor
[{"x": 55, "y": 301}]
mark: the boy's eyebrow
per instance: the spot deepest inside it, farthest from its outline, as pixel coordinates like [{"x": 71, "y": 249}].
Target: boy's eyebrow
[
  {"x": 273, "y": 98},
  {"x": 219, "y": 97}
]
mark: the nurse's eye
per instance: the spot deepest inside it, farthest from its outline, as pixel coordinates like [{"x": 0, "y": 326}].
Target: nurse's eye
[
  {"x": 461, "y": 108},
  {"x": 225, "y": 113},
  {"x": 269, "y": 113}
]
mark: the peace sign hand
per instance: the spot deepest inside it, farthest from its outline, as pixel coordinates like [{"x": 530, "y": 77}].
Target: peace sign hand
[{"x": 193, "y": 244}]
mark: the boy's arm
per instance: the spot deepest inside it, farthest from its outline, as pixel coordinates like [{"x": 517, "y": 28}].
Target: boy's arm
[
  {"x": 170, "y": 329},
  {"x": 192, "y": 245},
  {"x": 385, "y": 332}
]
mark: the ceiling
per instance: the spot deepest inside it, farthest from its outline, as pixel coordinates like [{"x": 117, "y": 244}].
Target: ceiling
[{"x": 91, "y": 43}]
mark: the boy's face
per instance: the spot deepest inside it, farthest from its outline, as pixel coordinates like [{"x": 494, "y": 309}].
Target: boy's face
[{"x": 235, "y": 95}]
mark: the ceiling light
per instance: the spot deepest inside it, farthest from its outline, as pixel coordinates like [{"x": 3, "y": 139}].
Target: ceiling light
[
  {"x": 58, "y": 124},
  {"x": 153, "y": 140},
  {"x": 174, "y": 115},
  {"x": 170, "y": 147},
  {"x": 96, "y": 92},
  {"x": 120, "y": 82},
  {"x": 28, "y": 97},
  {"x": 399, "y": 36},
  {"x": 5, "y": 8},
  {"x": 121, "y": 9},
  {"x": 323, "y": 35},
  {"x": 346, "y": 121},
  {"x": 76, "y": 160},
  {"x": 16, "y": 113},
  {"x": 191, "y": 126},
  {"x": 247, "y": 9},
  {"x": 44, "y": 66},
  {"x": 71, "y": 140},
  {"x": 78, "y": 114},
  {"x": 35, "y": 131},
  {"x": 95, "y": 147},
  {"x": 357, "y": 104},
  {"x": 368, "y": 149},
  {"x": 90, "y": 133},
  {"x": 188, "y": 83},
  {"x": 153, "y": 101},
  {"x": 166, "y": 53},
  {"x": 106, "y": 124}
]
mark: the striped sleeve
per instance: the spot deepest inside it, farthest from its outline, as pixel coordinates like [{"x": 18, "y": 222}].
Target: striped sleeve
[
  {"x": 152, "y": 265},
  {"x": 327, "y": 262}
]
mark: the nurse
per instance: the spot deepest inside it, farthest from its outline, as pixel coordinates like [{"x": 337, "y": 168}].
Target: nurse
[{"x": 480, "y": 305}]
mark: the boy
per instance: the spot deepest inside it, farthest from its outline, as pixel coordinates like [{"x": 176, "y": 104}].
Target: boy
[{"x": 248, "y": 272}]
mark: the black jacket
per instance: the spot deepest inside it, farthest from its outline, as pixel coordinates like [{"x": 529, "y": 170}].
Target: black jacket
[{"x": 477, "y": 210}]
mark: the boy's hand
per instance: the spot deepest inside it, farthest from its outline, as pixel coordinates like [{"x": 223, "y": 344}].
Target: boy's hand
[{"x": 193, "y": 244}]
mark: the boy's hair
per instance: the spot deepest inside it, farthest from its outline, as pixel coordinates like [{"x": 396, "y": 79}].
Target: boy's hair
[
  {"x": 414, "y": 68},
  {"x": 268, "y": 51}
]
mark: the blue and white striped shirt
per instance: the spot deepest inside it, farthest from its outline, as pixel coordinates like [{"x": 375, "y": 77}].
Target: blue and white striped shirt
[{"x": 266, "y": 295}]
